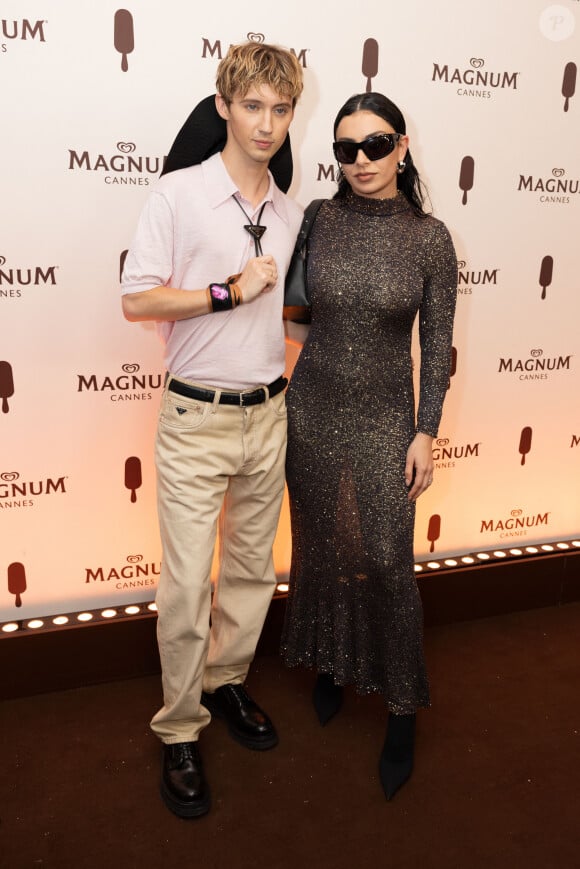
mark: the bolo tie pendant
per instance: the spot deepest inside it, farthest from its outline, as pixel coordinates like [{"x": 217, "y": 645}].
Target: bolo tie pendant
[{"x": 256, "y": 230}]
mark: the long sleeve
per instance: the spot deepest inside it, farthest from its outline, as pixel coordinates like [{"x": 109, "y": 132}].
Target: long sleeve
[{"x": 436, "y": 315}]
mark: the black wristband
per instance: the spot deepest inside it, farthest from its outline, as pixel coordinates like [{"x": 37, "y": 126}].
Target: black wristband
[{"x": 221, "y": 297}]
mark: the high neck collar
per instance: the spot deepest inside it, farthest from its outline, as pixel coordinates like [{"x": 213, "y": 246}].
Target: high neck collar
[{"x": 376, "y": 207}]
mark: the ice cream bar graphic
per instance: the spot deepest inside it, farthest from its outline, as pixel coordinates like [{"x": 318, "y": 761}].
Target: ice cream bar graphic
[
  {"x": 525, "y": 443},
  {"x": 546, "y": 274},
  {"x": 16, "y": 581},
  {"x": 124, "y": 38},
  {"x": 370, "y": 61},
  {"x": 434, "y": 530},
  {"x": 133, "y": 476},
  {"x": 466, "y": 177},
  {"x": 568, "y": 83},
  {"x": 122, "y": 259},
  {"x": 6, "y": 384},
  {"x": 453, "y": 367}
]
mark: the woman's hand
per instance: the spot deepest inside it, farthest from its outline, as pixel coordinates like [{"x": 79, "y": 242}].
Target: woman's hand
[{"x": 419, "y": 465}]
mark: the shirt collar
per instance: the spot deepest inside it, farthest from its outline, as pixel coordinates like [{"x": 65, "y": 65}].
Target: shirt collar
[{"x": 220, "y": 186}]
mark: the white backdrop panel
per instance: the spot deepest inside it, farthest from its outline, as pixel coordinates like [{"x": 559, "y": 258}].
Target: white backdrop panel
[{"x": 81, "y": 386}]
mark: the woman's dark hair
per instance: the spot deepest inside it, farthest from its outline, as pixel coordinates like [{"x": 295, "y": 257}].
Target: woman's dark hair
[{"x": 408, "y": 182}]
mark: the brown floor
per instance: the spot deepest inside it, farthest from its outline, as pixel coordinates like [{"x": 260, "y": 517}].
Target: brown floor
[{"x": 496, "y": 784}]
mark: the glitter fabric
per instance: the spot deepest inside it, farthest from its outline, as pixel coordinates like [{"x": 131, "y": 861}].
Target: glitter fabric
[{"x": 353, "y": 607}]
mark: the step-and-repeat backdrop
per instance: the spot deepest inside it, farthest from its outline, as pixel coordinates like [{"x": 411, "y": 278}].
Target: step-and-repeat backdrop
[{"x": 92, "y": 97}]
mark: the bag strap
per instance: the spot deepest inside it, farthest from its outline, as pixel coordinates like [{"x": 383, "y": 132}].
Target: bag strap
[{"x": 310, "y": 213}]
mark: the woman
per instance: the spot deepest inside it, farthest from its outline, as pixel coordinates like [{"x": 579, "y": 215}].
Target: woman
[{"x": 358, "y": 459}]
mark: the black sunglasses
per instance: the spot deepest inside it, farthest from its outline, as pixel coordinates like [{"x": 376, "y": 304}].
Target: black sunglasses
[{"x": 373, "y": 147}]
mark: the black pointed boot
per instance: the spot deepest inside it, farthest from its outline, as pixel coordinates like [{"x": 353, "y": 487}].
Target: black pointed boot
[
  {"x": 396, "y": 760},
  {"x": 326, "y": 697}
]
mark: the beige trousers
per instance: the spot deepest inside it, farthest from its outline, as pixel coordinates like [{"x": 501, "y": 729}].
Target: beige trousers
[{"x": 209, "y": 456}]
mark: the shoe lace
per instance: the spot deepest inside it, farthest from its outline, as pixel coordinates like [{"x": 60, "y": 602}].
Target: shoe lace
[
  {"x": 238, "y": 693},
  {"x": 185, "y": 751}
]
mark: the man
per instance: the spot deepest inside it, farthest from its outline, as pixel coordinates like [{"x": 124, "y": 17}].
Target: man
[{"x": 196, "y": 266}]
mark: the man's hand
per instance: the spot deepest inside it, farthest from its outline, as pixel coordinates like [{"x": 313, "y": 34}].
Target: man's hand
[{"x": 259, "y": 276}]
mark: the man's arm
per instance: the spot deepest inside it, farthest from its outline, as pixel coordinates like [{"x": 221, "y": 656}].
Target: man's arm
[
  {"x": 165, "y": 303},
  {"x": 168, "y": 303}
]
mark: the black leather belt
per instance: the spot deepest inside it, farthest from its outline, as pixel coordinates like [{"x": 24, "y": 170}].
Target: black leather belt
[{"x": 241, "y": 399}]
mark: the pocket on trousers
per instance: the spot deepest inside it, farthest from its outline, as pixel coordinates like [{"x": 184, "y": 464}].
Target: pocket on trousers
[
  {"x": 278, "y": 405},
  {"x": 184, "y": 414}
]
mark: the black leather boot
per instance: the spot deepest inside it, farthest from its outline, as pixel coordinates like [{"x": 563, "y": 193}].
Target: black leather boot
[
  {"x": 326, "y": 697},
  {"x": 396, "y": 760}
]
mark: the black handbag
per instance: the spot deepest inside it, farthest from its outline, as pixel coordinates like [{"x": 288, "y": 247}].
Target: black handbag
[{"x": 295, "y": 289}]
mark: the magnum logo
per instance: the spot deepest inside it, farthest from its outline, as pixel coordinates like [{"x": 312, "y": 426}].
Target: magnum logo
[
  {"x": 126, "y": 166},
  {"x": 468, "y": 278},
  {"x": 546, "y": 270},
  {"x": 216, "y": 49},
  {"x": 370, "y": 62},
  {"x": 466, "y": 177},
  {"x": 131, "y": 385},
  {"x": 536, "y": 366},
  {"x": 575, "y": 442},
  {"x": 23, "y": 29},
  {"x": 514, "y": 525},
  {"x": 6, "y": 385},
  {"x": 434, "y": 530},
  {"x": 554, "y": 189},
  {"x": 12, "y": 489},
  {"x": 445, "y": 453},
  {"x": 134, "y": 574},
  {"x": 327, "y": 173},
  {"x": 16, "y": 581},
  {"x": 124, "y": 38},
  {"x": 13, "y": 279},
  {"x": 525, "y": 443},
  {"x": 133, "y": 477},
  {"x": 474, "y": 81},
  {"x": 568, "y": 84}
]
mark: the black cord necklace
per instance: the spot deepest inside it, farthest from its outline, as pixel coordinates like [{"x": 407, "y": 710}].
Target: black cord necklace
[{"x": 255, "y": 230}]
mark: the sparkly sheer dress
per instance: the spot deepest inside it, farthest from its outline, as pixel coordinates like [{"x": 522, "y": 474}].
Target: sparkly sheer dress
[{"x": 353, "y": 608}]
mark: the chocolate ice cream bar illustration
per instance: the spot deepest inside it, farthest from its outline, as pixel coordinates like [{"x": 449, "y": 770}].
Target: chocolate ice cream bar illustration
[
  {"x": 453, "y": 367},
  {"x": 370, "y": 61},
  {"x": 122, "y": 259},
  {"x": 133, "y": 476},
  {"x": 16, "y": 581},
  {"x": 546, "y": 274},
  {"x": 124, "y": 37},
  {"x": 525, "y": 443},
  {"x": 568, "y": 83},
  {"x": 434, "y": 530},
  {"x": 466, "y": 176},
  {"x": 6, "y": 384}
]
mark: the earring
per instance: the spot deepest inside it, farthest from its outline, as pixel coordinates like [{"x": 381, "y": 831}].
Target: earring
[{"x": 401, "y": 166}]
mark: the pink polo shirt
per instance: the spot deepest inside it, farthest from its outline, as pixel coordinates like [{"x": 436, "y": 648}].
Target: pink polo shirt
[{"x": 191, "y": 232}]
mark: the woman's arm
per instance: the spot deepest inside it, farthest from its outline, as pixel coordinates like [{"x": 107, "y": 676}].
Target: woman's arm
[{"x": 436, "y": 315}]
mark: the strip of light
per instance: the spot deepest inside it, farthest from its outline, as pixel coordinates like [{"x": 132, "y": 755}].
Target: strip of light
[
  {"x": 149, "y": 608},
  {"x": 77, "y": 619}
]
